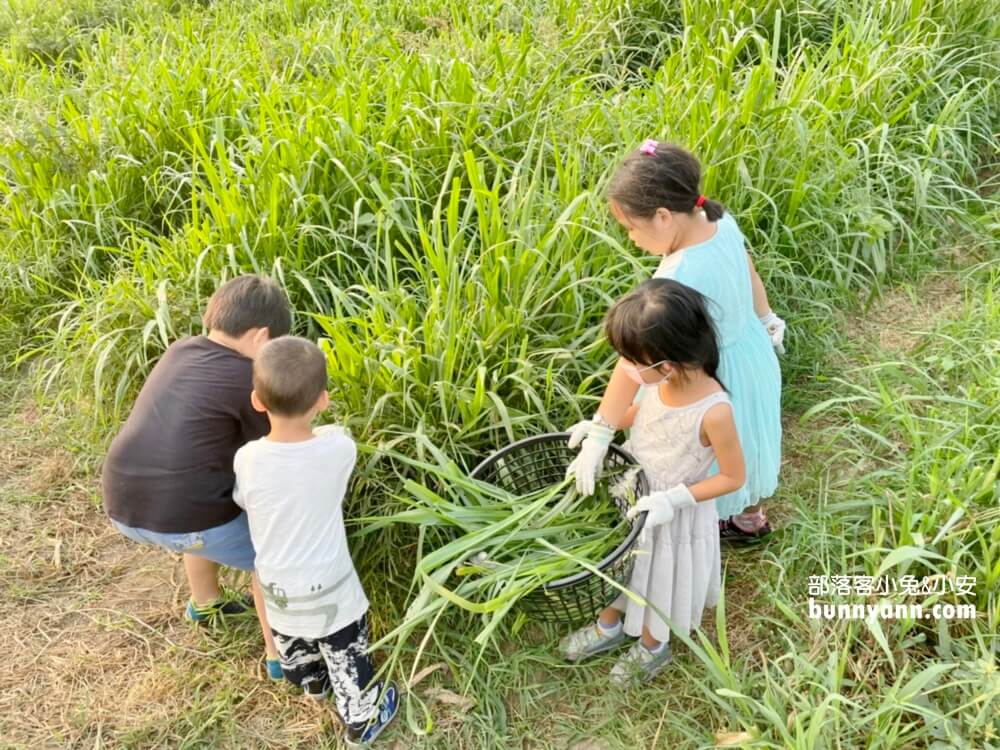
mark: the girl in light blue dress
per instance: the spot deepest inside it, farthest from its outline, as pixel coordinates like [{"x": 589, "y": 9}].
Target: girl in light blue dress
[{"x": 655, "y": 195}]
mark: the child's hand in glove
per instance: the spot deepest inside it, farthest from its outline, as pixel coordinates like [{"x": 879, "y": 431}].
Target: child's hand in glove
[
  {"x": 659, "y": 507},
  {"x": 587, "y": 464},
  {"x": 578, "y": 432},
  {"x": 332, "y": 429},
  {"x": 775, "y": 327}
]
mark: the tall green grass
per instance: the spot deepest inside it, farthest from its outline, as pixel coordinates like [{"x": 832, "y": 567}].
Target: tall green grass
[
  {"x": 912, "y": 488},
  {"x": 283, "y": 138}
]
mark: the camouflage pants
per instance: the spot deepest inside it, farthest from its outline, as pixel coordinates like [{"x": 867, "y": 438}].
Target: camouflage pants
[{"x": 337, "y": 663}]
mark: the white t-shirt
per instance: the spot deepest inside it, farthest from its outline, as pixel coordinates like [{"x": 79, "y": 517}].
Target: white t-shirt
[{"x": 292, "y": 493}]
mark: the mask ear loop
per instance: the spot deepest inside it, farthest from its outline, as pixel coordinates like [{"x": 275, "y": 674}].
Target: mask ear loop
[{"x": 635, "y": 373}]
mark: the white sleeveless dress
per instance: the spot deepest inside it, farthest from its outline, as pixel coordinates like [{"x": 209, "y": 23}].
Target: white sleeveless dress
[{"x": 677, "y": 568}]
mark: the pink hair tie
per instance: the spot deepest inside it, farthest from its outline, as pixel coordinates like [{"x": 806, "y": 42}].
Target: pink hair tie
[
  {"x": 649, "y": 147},
  {"x": 700, "y": 202}
]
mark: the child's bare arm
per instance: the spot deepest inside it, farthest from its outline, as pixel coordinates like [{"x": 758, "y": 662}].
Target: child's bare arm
[
  {"x": 719, "y": 430},
  {"x": 618, "y": 397},
  {"x": 629, "y": 417},
  {"x": 761, "y": 306}
]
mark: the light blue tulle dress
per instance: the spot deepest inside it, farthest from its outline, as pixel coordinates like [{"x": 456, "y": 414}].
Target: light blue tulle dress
[{"x": 748, "y": 366}]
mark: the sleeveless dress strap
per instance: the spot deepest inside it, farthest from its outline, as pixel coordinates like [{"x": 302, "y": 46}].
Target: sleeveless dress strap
[{"x": 721, "y": 397}]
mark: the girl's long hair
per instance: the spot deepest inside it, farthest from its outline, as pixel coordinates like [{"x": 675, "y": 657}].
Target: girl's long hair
[{"x": 662, "y": 319}]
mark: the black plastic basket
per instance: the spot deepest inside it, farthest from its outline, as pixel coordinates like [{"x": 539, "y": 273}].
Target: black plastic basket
[{"x": 538, "y": 462}]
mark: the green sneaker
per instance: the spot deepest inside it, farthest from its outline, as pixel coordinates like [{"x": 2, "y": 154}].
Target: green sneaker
[
  {"x": 589, "y": 641},
  {"x": 230, "y": 604},
  {"x": 639, "y": 664}
]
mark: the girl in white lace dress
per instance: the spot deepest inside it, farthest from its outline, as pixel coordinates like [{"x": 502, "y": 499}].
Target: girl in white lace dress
[{"x": 680, "y": 428}]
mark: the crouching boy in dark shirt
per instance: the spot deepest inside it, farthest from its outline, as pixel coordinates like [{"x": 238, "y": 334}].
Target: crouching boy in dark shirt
[{"x": 168, "y": 476}]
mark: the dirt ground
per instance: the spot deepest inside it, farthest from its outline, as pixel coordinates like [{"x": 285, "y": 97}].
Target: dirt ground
[{"x": 90, "y": 621}]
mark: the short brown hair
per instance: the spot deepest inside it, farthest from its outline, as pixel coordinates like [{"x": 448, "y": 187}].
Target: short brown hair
[
  {"x": 289, "y": 374},
  {"x": 248, "y": 302}
]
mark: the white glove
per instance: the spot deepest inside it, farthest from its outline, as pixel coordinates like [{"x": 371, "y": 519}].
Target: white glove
[
  {"x": 775, "y": 330},
  {"x": 587, "y": 464},
  {"x": 331, "y": 429},
  {"x": 578, "y": 432},
  {"x": 660, "y": 506}
]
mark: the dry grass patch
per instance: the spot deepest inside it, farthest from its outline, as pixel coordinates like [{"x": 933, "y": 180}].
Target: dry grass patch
[{"x": 901, "y": 317}]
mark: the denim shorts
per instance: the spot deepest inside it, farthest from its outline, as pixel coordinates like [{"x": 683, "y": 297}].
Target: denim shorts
[{"x": 228, "y": 544}]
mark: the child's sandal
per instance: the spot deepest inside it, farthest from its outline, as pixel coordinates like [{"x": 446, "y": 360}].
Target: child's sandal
[{"x": 730, "y": 532}]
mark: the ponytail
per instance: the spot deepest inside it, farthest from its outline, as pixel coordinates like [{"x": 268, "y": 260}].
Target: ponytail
[
  {"x": 713, "y": 212},
  {"x": 660, "y": 175}
]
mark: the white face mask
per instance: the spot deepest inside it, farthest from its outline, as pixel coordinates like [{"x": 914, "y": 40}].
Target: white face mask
[{"x": 636, "y": 373}]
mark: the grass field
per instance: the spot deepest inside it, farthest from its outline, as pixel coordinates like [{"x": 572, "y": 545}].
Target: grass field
[{"x": 426, "y": 180}]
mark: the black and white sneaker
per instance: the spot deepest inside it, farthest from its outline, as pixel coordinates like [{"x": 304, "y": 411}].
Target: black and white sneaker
[{"x": 386, "y": 713}]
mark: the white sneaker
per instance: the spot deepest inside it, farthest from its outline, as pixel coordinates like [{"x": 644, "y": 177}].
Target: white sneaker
[
  {"x": 588, "y": 641},
  {"x": 639, "y": 664}
]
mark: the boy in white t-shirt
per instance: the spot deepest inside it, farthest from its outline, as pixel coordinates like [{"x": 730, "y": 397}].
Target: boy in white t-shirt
[{"x": 292, "y": 484}]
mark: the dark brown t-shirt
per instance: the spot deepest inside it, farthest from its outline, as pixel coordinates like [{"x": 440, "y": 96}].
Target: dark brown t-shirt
[{"x": 170, "y": 469}]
